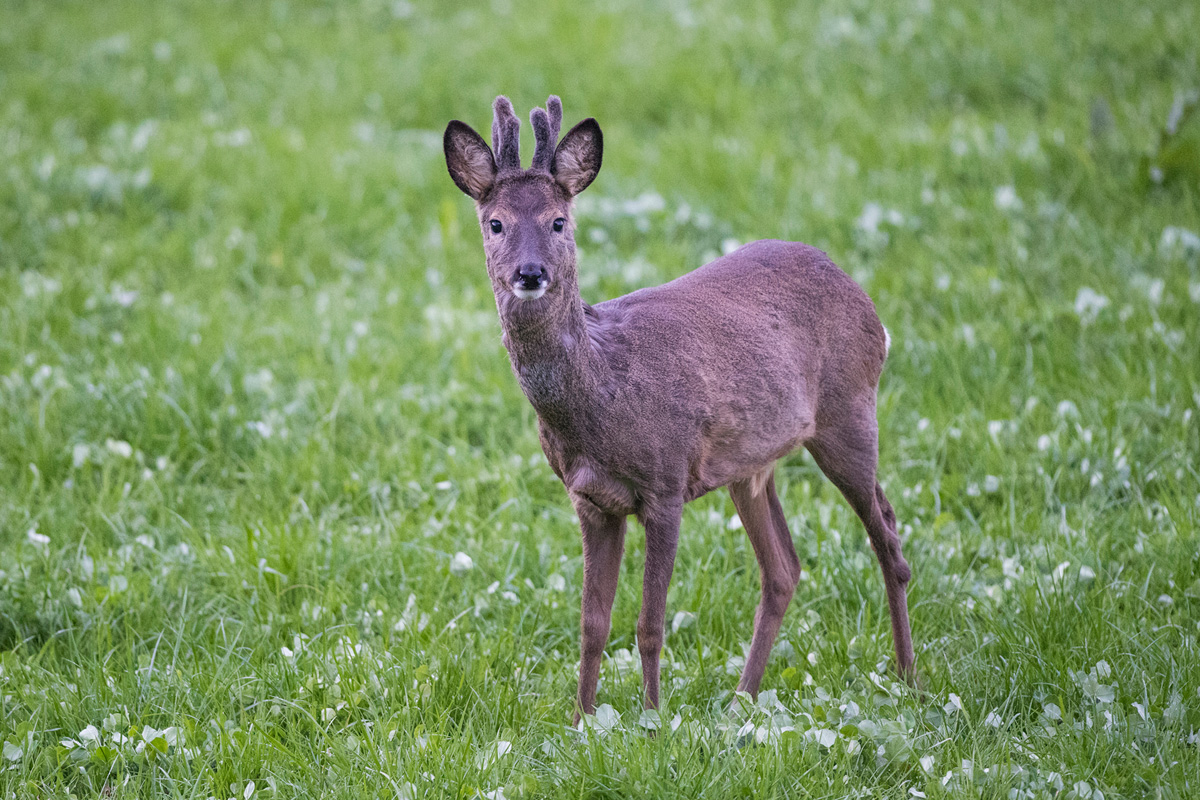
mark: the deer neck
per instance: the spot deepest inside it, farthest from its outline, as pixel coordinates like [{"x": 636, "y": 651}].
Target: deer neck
[{"x": 552, "y": 356}]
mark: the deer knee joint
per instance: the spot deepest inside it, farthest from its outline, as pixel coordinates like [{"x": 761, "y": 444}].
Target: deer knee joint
[
  {"x": 649, "y": 641},
  {"x": 595, "y": 628},
  {"x": 778, "y": 593}
]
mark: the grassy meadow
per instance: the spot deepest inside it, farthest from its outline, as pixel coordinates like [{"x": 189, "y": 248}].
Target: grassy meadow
[{"x": 274, "y": 521}]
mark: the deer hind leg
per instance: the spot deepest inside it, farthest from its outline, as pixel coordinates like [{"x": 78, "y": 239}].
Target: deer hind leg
[
  {"x": 758, "y": 507},
  {"x": 848, "y": 455}
]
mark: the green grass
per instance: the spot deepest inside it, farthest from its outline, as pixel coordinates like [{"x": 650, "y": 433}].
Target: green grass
[{"x": 253, "y": 401}]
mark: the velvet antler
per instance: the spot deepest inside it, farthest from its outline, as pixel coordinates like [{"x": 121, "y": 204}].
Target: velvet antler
[
  {"x": 506, "y": 135},
  {"x": 546, "y": 122}
]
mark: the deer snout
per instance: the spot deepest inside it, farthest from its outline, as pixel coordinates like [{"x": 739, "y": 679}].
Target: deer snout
[{"x": 530, "y": 281}]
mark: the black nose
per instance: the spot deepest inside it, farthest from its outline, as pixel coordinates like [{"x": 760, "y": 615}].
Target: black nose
[{"x": 530, "y": 276}]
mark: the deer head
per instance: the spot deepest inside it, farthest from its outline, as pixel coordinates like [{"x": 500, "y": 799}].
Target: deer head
[{"x": 525, "y": 214}]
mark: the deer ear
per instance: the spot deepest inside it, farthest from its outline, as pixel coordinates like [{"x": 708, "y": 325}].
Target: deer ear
[
  {"x": 577, "y": 159},
  {"x": 469, "y": 159}
]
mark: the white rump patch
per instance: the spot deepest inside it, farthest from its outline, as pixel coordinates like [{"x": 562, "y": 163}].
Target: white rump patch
[{"x": 887, "y": 340}]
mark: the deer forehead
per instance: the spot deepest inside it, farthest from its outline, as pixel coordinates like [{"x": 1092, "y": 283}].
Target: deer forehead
[{"x": 529, "y": 195}]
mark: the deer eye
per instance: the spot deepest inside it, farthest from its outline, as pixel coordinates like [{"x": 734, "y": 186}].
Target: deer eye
[
  {"x": 496, "y": 226},
  {"x": 558, "y": 224}
]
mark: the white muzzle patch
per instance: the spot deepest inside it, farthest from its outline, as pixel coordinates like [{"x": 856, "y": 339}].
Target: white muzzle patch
[{"x": 529, "y": 294}]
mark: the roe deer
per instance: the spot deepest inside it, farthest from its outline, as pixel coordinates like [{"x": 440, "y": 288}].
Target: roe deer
[{"x": 650, "y": 400}]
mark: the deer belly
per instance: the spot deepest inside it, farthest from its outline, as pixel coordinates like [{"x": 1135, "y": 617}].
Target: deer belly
[{"x": 736, "y": 454}]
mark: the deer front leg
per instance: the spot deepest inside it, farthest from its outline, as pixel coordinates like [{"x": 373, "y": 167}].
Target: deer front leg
[
  {"x": 603, "y": 545},
  {"x": 662, "y": 538}
]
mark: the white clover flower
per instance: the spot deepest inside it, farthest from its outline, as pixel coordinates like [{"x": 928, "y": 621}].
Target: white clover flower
[
  {"x": 239, "y": 137},
  {"x": 42, "y": 376},
  {"x": 873, "y": 215},
  {"x": 119, "y": 447},
  {"x": 34, "y": 284},
  {"x": 1154, "y": 291},
  {"x": 124, "y": 297},
  {"x": 80, "y": 454},
  {"x": 262, "y": 427},
  {"x": 260, "y": 382},
  {"x": 1089, "y": 303},
  {"x": 644, "y": 203},
  {"x": 1006, "y": 199},
  {"x": 1178, "y": 242},
  {"x": 461, "y": 564}
]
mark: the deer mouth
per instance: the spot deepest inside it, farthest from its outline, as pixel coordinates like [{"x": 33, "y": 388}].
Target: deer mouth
[{"x": 524, "y": 291}]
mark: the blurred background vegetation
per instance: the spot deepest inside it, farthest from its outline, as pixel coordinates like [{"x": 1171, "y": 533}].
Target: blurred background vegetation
[{"x": 273, "y": 516}]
